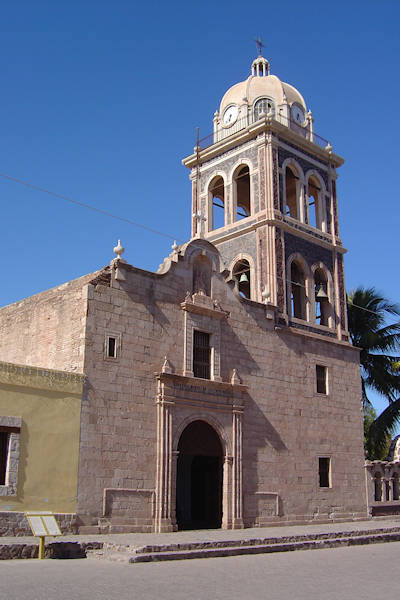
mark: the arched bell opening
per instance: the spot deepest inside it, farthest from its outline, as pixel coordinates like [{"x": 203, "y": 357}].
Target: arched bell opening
[
  {"x": 242, "y": 192},
  {"x": 322, "y": 306},
  {"x": 291, "y": 200},
  {"x": 242, "y": 275},
  {"x": 199, "y": 478},
  {"x": 298, "y": 291},
  {"x": 314, "y": 203},
  {"x": 216, "y": 193}
]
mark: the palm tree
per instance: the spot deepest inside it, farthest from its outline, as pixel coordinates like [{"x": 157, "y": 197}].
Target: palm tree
[{"x": 379, "y": 341}]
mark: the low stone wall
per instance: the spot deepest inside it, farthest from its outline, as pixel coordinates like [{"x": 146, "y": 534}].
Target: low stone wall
[
  {"x": 16, "y": 524},
  {"x": 52, "y": 550},
  {"x": 383, "y": 487}
]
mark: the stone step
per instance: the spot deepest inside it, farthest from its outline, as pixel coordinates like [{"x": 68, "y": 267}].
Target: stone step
[
  {"x": 130, "y": 553},
  {"x": 213, "y": 552},
  {"x": 262, "y": 541}
]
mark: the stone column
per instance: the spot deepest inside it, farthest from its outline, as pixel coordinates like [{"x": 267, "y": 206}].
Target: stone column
[
  {"x": 390, "y": 481},
  {"x": 163, "y": 508},
  {"x": 227, "y": 493},
  {"x": 174, "y": 465},
  {"x": 237, "y": 487}
]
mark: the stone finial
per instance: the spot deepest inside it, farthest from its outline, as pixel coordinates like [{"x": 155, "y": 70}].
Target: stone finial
[
  {"x": 166, "y": 368},
  {"x": 119, "y": 250},
  {"x": 217, "y": 305},
  {"x": 235, "y": 379},
  {"x": 175, "y": 247},
  {"x": 265, "y": 294},
  {"x": 328, "y": 148}
]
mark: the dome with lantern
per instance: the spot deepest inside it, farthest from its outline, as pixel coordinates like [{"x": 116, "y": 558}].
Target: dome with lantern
[{"x": 261, "y": 95}]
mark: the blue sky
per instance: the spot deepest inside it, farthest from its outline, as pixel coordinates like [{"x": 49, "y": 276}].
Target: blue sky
[{"x": 100, "y": 101}]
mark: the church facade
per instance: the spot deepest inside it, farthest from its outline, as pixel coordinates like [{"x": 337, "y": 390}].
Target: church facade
[{"x": 221, "y": 391}]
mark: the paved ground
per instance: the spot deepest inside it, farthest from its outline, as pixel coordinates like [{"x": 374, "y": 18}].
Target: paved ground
[
  {"x": 141, "y": 539},
  {"x": 356, "y": 573}
]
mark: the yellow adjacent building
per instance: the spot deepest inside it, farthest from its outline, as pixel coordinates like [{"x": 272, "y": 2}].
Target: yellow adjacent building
[{"x": 39, "y": 440}]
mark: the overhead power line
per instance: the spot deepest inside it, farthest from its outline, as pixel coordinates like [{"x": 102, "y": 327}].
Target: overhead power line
[
  {"x": 88, "y": 206},
  {"x": 126, "y": 220}
]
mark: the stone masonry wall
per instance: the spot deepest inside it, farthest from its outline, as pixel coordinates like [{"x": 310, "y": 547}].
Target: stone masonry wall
[
  {"x": 46, "y": 330},
  {"x": 287, "y": 425}
]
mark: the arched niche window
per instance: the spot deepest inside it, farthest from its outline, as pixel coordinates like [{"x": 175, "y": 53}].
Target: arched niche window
[
  {"x": 263, "y": 107},
  {"x": 242, "y": 192},
  {"x": 216, "y": 192},
  {"x": 322, "y": 306},
  {"x": 314, "y": 202},
  {"x": 242, "y": 275},
  {"x": 291, "y": 200},
  {"x": 298, "y": 291},
  {"x": 202, "y": 271}
]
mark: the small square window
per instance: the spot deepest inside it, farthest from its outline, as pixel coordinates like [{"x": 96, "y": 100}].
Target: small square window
[
  {"x": 324, "y": 468},
  {"x": 322, "y": 377},
  {"x": 112, "y": 345}
]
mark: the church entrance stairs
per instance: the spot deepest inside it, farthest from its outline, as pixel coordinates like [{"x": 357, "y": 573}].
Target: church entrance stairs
[{"x": 135, "y": 548}]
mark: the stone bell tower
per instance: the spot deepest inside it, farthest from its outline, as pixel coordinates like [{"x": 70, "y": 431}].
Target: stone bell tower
[{"x": 264, "y": 192}]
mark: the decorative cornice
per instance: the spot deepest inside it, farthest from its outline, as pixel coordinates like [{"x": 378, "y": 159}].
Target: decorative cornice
[
  {"x": 198, "y": 382},
  {"x": 42, "y": 379},
  {"x": 200, "y": 304},
  {"x": 203, "y": 310}
]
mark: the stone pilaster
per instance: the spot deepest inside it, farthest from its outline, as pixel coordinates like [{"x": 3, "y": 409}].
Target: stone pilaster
[
  {"x": 237, "y": 477},
  {"x": 266, "y": 263},
  {"x": 270, "y": 179},
  {"x": 164, "y": 472}
]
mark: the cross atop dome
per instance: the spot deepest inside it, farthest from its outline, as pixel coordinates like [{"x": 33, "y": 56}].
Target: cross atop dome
[
  {"x": 260, "y": 66},
  {"x": 259, "y": 45}
]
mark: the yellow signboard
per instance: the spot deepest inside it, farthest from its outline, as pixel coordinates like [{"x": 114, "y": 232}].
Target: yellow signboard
[{"x": 42, "y": 523}]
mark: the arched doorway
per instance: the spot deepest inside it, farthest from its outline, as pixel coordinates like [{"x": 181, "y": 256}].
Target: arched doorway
[{"x": 199, "y": 478}]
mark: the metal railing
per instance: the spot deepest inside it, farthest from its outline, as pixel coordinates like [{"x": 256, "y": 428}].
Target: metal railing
[{"x": 222, "y": 133}]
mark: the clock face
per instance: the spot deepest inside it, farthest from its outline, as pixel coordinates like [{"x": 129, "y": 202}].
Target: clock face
[
  {"x": 298, "y": 114},
  {"x": 230, "y": 115}
]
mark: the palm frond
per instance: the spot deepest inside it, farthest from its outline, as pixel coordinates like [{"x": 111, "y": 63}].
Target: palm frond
[{"x": 383, "y": 427}]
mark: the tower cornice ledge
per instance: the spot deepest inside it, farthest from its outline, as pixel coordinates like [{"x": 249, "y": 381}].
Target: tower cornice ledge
[
  {"x": 316, "y": 336},
  {"x": 231, "y": 232},
  {"x": 251, "y": 132}
]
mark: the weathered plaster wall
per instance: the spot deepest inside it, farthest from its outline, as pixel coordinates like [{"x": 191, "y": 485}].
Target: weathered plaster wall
[{"x": 48, "y": 404}]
